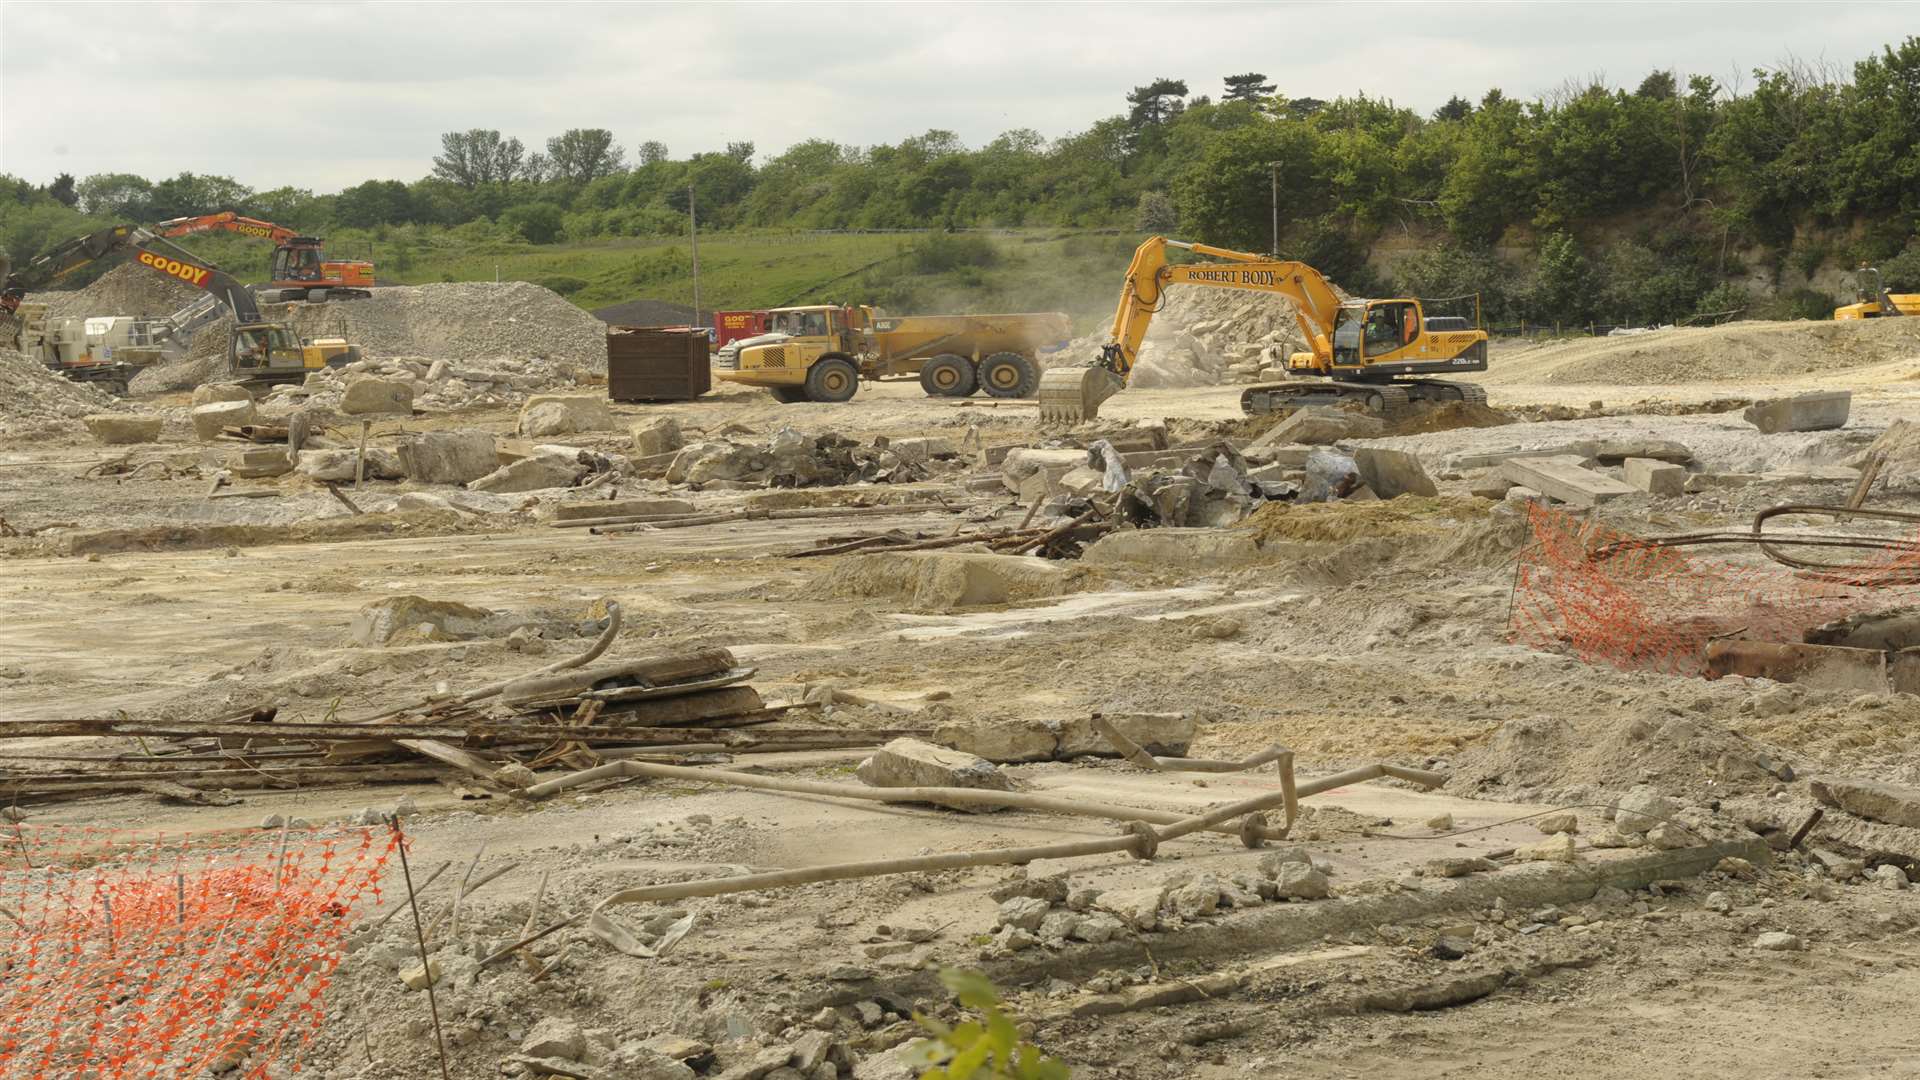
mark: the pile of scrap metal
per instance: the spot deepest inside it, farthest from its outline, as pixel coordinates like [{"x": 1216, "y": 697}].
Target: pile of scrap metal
[{"x": 663, "y": 707}]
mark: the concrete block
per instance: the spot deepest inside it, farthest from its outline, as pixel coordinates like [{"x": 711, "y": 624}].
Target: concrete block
[
  {"x": 1822, "y": 410},
  {"x": 371, "y": 395},
  {"x": 1002, "y": 740},
  {"x": 1656, "y": 477},
  {"x": 1292, "y": 456},
  {"x": 1615, "y": 451},
  {"x": 922, "y": 450},
  {"x": 1189, "y": 548},
  {"x": 943, "y": 580},
  {"x": 1870, "y": 799},
  {"x": 564, "y": 414},
  {"x": 1564, "y": 479},
  {"x": 448, "y": 457},
  {"x": 655, "y": 436},
  {"x": 1490, "y": 485},
  {"x": 337, "y": 466},
  {"x": 913, "y": 763},
  {"x": 583, "y": 511},
  {"x": 208, "y": 393},
  {"x": 1392, "y": 473},
  {"x": 261, "y": 463},
  {"x": 120, "y": 429},
  {"x": 535, "y": 473},
  {"x": 211, "y": 419},
  {"x": 379, "y": 621},
  {"x": 1023, "y": 461},
  {"x": 1159, "y": 734}
]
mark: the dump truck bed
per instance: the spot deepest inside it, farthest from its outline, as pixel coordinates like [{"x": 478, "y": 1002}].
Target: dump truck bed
[{"x": 915, "y": 337}]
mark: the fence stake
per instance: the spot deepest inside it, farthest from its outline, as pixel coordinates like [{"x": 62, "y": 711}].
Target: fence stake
[{"x": 420, "y": 935}]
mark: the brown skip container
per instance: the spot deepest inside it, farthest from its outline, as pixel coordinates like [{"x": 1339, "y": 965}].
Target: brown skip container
[{"x": 657, "y": 363}]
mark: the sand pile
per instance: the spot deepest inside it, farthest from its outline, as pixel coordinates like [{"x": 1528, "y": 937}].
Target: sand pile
[
  {"x": 127, "y": 289},
  {"x": 1550, "y": 754},
  {"x": 1730, "y": 353},
  {"x": 34, "y": 399},
  {"x": 1343, "y": 522}
]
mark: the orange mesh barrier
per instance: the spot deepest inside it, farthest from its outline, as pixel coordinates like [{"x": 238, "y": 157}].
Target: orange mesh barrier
[
  {"x": 128, "y": 955},
  {"x": 1647, "y": 607}
]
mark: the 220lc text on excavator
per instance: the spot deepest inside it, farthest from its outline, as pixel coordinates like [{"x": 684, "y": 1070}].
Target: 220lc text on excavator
[{"x": 1371, "y": 352}]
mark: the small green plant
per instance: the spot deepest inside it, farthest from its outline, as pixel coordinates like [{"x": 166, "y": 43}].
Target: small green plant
[{"x": 989, "y": 1048}]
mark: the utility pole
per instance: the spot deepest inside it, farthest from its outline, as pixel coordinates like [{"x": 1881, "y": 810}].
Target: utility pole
[
  {"x": 693, "y": 238},
  {"x": 1273, "y": 171}
]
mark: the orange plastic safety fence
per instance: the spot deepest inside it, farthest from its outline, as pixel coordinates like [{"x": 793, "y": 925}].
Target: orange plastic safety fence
[
  {"x": 1656, "y": 608},
  {"x": 127, "y": 955}
]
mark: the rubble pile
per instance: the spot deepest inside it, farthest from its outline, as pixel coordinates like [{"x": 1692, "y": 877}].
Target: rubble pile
[
  {"x": 1205, "y": 337},
  {"x": 441, "y": 384},
  {"x": 127, "y": 289},
  {"x": 34, "y": 400},
  {"x": 792, "y": 459}
]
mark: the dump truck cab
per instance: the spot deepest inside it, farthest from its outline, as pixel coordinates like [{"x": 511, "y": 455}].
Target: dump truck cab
[{"x": 792, "y": 358}]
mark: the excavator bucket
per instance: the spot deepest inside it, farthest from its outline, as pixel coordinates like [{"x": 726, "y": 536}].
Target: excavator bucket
[{"x": 1073, "y": 395}]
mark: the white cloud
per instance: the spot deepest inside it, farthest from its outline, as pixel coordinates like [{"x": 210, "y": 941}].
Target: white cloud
[{"x": 322, "y": 95}]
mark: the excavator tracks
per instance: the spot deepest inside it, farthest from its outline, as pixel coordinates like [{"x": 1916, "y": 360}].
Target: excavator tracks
[{"x": 1389, "y": 401}]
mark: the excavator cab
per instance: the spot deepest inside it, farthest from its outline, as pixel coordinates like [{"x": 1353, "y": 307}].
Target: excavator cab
[
  {"x": 265, "y": 350},
  {"x": 297, "y": 260}
]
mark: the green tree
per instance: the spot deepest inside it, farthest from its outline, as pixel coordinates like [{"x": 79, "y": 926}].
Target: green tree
[
  {"x": 1251, "y": 88},
  {"x": 479, "y": 157},
  {"x": 583, "y": 155},
  {"x": 374, "y": 203},
  {"x": 1563, "y": 285},
  {"x": 62, "y": 190},
  {"x": 652, "y": 152},
  {"x": 537, "y": 222}
]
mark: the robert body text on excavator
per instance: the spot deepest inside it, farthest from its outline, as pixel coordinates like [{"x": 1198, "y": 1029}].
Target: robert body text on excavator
[{"x": 1357, "y": 350}]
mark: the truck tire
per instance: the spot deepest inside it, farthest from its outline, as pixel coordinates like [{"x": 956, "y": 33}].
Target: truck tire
[
  {"x": 832, "y": 380},
  {"x": 947, "y": 375},
  {"x": 1008, "y": 375},
  {"x": 788, "y": 395}
]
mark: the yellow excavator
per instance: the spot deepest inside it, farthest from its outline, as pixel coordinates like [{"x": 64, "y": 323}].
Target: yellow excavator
[{"x": 1359, "y": 350}]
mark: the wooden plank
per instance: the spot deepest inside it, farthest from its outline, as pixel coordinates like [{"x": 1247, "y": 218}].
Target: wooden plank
[{"x": 1561, "y": 477}]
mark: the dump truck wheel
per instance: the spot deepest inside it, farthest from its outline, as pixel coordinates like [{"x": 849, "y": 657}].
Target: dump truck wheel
[
  {"x": 832, "y": 380},
  {"x": 947, "y": 375},
  {"x": 1008, "y": 375},
  {"x": 788, "y": 395}
]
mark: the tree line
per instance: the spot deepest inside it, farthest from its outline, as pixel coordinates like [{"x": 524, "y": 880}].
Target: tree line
[{"x": 1590, "y": 201}]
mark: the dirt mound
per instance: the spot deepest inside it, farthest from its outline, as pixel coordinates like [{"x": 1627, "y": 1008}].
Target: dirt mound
[
  {"x": 1612, "y": 753},
  {"x": 1730, "y": 353},
  {"x": 941, "y": 580},
  {"x": 1339, "y": 522},
  {"x": 645, "y": 313},
  {"x": 127, "y": 289},
  {"x": 34, "y": 399},
  {"x": 1449, "y": 416}
]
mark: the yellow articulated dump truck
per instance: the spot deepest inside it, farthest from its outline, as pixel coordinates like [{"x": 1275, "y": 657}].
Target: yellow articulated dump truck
[
  {"x": 821, "y": 353},
  {"x": 1874, "y": 301}
]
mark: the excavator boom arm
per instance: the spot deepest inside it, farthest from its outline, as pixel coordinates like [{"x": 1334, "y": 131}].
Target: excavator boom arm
[
  {"x": 1315, "y": 302},
  {"x": 229, "y": 221},
  {"x": 148, "y": 250}
]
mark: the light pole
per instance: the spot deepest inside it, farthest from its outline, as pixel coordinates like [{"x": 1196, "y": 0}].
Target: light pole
[
  {"x": 693, "y": 239},
  {"x": 1273, "y": 171}
]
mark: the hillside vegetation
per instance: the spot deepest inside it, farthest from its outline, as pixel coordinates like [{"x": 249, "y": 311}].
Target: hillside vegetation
[{"x": 1679, "y": 195}]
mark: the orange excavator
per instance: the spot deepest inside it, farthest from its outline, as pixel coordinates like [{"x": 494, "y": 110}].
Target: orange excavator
[{"x": 301, "y": 271}]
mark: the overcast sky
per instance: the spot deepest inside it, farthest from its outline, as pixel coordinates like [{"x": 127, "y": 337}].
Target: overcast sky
[{"x": 324, "y": 95}]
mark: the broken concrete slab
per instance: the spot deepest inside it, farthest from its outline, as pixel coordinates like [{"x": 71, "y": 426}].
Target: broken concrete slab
[
  {"x": 536, "y": 473},
  {"x": 339, "y": 466},
  {"x": 585, "y": 511},
  {"x": 1321, "y": 426},
  {"x": 261, "y": 463},
  {"x": 368, "y": 394},
  {"x": 1563, "y": 478},
  {"x": 1160, "y": 734},
  {"x": 1002, "y": 740},
  {"x": 120, "y": 429},
  {"x": 563, "y": 414},
  {"x": 448, "y": 457},
  {"x": 913, "y": 763},
  {"x": 655, "y": 435},
  {"x": 1655, "y": 477},
  {"x": 942, "y": 580},
  {"x": 1616, "y": 451},
  {"x": 1190, "y": 548},
  {"x": 1392, "y": 473},
  {"x": 1822, "y": 410},
  {"x": 378, "y": 622},
  {"x": 208, "y": 393},
  {"x": 1292, "y": 456},
  {"x": 1493, "y": 459},
  {"x": 1023, "y": 461},
  {"x": 923, "y": 449},
  {"x": 1823, "y": 667},
  {"x": 213, "y": 418},
  {"x": 1890, "y": 804}
]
